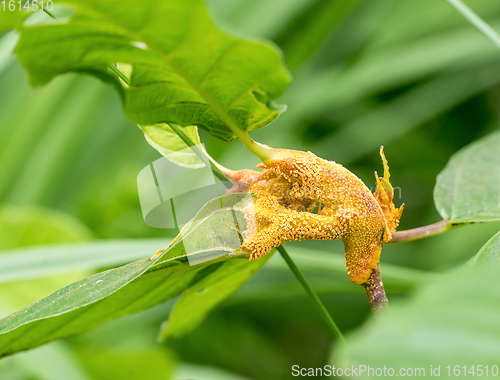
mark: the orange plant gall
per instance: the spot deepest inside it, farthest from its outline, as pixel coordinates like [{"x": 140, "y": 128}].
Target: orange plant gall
[{"x": 302, "y": 196}]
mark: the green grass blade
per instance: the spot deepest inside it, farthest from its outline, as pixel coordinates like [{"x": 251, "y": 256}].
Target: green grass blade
[{"x": 477, "y": 21}]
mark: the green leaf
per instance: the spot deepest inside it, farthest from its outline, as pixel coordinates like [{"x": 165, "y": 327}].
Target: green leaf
[
  {"x": 488, "y": 254},
  {"x": 183, "y": 66},
  {"x": 217, "y": 283},
  {"x": 169, "y": 144},
  {"x": 164, "y": 139},
  {"x": 467, "y": 188},
  {"x": 208, "y": 239},
  {"x": 453, "y": 320}
]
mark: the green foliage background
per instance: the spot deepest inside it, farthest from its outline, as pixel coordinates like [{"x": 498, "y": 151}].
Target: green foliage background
[{"x": 412, "y": 75}]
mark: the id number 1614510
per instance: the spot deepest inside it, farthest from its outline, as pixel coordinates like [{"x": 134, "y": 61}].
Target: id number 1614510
[
  {"x": 28, "y": 6},
  {"x": 474, "y": 370}
]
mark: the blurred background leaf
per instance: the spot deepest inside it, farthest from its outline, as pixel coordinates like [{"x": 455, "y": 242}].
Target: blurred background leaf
[
  {"x": 412, "y": 75},
  {"x": 449, "y": 321}
]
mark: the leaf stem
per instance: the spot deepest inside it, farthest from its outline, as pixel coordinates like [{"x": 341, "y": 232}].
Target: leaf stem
[
  {"x": 49, "y": 13},
  {"x": 215, "y": 166},
  {"x": 262, "y": 151},
  {"x": 120, "y": 75},
  {"x": 310, "y": 292},
  {"x": 174, "y": 215},
  {"x": 423, "y": 232},
  {"x": 375, "y": 291},
  {"x": 477, "y": 21}
]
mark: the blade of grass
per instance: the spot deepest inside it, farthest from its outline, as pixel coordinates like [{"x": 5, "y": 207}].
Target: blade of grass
[{"x": 475, "y": 20}]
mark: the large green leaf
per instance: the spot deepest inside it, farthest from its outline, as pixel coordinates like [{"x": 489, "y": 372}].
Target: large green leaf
[
  {"x": 467, "y": 190},
  {"x": 183, "y": 66},
  {"x": 489, "y": 253},
  {"x": 207, "y": 240},
  {"x": 453, "y": 320},
  {"x": 165, "y": 140}
]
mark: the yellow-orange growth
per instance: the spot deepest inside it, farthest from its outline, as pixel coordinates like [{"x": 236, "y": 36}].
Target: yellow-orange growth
[{"x": 302, "y": 196}]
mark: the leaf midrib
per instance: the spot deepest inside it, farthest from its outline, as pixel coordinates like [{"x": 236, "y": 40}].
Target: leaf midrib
[{"x": 221, "y": 112}]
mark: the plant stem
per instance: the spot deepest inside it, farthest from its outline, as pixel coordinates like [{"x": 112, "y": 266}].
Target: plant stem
[
  {"x": 262, "y": 151},
  {"x": 423, "y": 232},
  {"x": 120, "y": 75},
  {"x": 310, "y": 292},
  {"x": 477, "y": 21},
  {"x": 375, "y": 291},
  {"x": 49, "y": 13},
  {"x": 214, "y": 165},
  {"x": 174, "y": 215}
]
